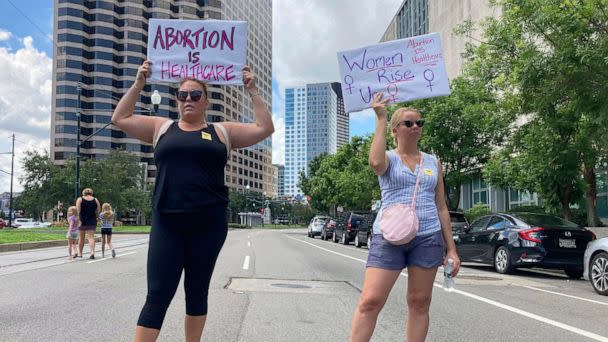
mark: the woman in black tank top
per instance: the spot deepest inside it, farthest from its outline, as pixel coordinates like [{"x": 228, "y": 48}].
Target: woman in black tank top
[
  {"x": 190, "y": 199},
  {"x": 88, "y": 208}
]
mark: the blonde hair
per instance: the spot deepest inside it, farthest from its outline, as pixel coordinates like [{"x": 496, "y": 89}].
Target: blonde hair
[
  {"x": 395, "y": 119},
  {"x": 72, "y": 211},
  {"x": 87, "y": 191},
  {"x": 106, "y": 209}
]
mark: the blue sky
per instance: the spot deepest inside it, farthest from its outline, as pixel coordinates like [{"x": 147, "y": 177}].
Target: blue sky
[{"x": 321, "y": 28}]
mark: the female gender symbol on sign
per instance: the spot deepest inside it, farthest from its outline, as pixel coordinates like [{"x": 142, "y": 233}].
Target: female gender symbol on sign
[
  {"x": 429, "y": 75},
  {"x": 392, "y": 91},
  {"x": 348, "y": 79}
]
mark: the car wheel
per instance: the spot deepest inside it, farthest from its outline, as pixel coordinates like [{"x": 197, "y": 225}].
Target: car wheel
[
  {"x": 369, "y": 240},
  {"x": 502, "y": 260},
  {"x": 598, "y": 273},
  {"x": 344, "y": 240},
  {"x": 357, "y": 243},
  {"x": 574, "y": 273}
]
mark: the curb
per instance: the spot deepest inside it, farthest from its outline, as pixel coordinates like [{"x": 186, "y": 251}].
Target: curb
[{"x": 22, "y": 246}]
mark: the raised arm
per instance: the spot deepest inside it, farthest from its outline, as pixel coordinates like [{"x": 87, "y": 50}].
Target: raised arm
[
  {"x": 243, "y": 135},
  {"x": 378, "y": 159},
  {"x": 139, "y": 126}
]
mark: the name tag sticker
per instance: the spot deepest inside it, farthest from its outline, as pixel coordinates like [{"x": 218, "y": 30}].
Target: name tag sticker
[
  {"x": 428, "y": 172},
  {"x": 205, "y": 135}
]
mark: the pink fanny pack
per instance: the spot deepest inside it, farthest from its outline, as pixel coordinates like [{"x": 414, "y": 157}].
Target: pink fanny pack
[{"x": 399, "y": 222}]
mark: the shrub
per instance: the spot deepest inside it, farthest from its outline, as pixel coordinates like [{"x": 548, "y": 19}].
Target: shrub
[{"x": 477, "y": 211}]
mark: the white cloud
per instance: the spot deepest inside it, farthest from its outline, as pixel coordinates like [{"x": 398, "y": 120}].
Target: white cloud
[
  {"x": 278, "y": 140},
  {"x": 25, "y": 105},
  {"x": 4, "y": 35},
  {"x": 363, "y": 116}
]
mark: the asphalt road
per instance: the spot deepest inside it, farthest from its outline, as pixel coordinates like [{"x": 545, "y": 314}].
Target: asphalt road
[{"x": 280, "y": 285}]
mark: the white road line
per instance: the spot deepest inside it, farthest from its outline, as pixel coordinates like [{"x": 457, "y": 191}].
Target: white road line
[
  {"x": 246, "y": 263},
  {"x": 565, "y": 295},
  {"x": 104, "y": 259},
  {"x": 494, "y": 303},
  {"x": 248, "y": 243}
]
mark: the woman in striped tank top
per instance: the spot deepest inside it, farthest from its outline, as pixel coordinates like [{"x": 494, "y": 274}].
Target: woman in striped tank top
[{"x": 397, "y": 171}]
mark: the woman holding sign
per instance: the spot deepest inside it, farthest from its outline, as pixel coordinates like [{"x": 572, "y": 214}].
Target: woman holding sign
[
  {"x": 410, "y": 181},
  {"x": 190, "y": 199}
]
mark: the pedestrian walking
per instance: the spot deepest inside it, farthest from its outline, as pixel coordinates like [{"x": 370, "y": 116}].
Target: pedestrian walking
[
  {"x": 88, "y": 209},
  {"x": 72, "y": 234},
  {"x": 190, "y": 200},
  {"x": 106, "y": 217},
  {"x": 413, "y": 202}
]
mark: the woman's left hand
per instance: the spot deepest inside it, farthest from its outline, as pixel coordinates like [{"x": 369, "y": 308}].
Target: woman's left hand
[
  {"x": 249, "y": 80},
  {"x": 452, "y": 254}
]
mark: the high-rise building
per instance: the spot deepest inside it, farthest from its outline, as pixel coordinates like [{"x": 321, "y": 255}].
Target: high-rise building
[
  {"x": 295, "y": 138},
  {"x": 343, "y": 122},
  {"x": 315, "y": 123},
  {"x": 416, "y": 17},
  {"x": 280, "y": 179},
  {"x": 100, "y": 45}
]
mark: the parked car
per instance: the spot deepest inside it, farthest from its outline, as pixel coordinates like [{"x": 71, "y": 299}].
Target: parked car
[
  {"x": 596, "y": 265},
  {"x": 30, "y": 223},
  {"x": 510, "y": 241},
  {"x": 3, "y": 224},
  {"x": 316, "y": 225},
  {"x": 347, "y": 225},
  {"x": 364, "y": 232},
  {"x": 459, "y": 222},
  {"x": 327, "y": 232}
]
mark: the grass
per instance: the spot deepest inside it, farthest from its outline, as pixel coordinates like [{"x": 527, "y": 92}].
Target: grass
[{"x": 14, "y": 236}]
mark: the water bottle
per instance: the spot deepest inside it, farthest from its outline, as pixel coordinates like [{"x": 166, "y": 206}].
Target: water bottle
[{"x": 448, "y": 280}]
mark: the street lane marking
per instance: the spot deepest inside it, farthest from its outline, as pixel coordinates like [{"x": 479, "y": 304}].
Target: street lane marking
[
  {"x": 104, "y": 259},
  {"x": 565, "y": 295},
  {"x": 491, "y": 302},
  {"x": 248, "y": 243},
  {"x": 246, "y": 263}
]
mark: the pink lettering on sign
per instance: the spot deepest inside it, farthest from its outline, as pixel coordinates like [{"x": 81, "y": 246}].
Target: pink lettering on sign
[
  {"x": 419, "y": 43},
  {"x": 206, "y": 72},
  {"x": 167, "y": 37}
]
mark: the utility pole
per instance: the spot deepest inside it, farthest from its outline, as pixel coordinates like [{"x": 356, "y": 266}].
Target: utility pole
[
  {"x": 77, "y": 185},
  {"x": 10, "y": 201}
]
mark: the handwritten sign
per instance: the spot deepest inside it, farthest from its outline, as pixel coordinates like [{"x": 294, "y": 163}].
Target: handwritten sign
[
  {"x": 403, "y": 70},
  {"x": 214, "y": 51}
]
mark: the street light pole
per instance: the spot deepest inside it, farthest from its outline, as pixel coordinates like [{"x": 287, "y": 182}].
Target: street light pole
[
  {"x": 77, "y": 187},
  {"x": 10, "y": 201}
]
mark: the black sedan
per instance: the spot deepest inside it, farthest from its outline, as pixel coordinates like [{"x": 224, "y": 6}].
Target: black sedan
[{"x": 518, "y": 240}]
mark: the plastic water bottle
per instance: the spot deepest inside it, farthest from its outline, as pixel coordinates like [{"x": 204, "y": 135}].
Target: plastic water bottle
[{"x": 448, "y": 280}]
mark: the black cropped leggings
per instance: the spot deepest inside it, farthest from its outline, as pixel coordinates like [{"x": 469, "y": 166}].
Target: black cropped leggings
[{"x": 189, "y": 242}]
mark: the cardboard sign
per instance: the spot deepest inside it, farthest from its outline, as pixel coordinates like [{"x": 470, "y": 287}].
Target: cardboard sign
[
  {"x": 213, "y": 51},
  {"x": 403, "y": 70}
]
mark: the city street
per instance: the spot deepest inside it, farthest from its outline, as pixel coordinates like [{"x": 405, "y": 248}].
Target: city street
[{"x": 280, "y": 285}]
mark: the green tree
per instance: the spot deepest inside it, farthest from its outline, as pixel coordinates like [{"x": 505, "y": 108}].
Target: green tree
[{"x": 551, "y": 57}]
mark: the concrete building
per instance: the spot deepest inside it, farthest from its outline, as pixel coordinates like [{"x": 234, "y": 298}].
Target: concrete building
[
  {"x": 100, "y": 45},
  {"x": 280, "y": 177}
]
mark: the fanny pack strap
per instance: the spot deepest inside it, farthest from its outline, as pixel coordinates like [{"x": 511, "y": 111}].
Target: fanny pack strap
[{"x": 417, "y": 182}]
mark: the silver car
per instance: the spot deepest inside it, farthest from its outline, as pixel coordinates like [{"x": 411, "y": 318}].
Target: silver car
[
  {"x": 596, "y": 265},
  {"x": 316, "y": 225}
]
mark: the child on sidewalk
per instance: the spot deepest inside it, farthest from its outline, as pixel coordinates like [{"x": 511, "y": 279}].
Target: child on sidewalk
[
  {"x": 72, "y": 234},
  {"x": 106, "y": 217}
]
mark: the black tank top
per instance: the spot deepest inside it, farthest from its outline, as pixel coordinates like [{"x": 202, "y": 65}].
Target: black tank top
[
  {"x": 87, "y": 212},
  {"x": 190, "y": 170}
]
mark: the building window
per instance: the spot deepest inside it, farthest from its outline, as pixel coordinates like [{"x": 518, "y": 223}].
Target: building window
[
  {"x": 518, "y": 198},
  {"x": 480, "y": 191}
]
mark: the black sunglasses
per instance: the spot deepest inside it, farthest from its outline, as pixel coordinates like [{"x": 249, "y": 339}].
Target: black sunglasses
[
  {"x": 195, "y": 95},
  {"x": 409, "y": 123}
]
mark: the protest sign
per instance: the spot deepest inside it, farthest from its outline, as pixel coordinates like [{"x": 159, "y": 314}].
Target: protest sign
[
  {"x": 403, "y": 70},
  {"x": 213, "y": 51}
]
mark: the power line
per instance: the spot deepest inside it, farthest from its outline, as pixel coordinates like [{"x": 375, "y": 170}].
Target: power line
[{"x": 36, "y": 26}]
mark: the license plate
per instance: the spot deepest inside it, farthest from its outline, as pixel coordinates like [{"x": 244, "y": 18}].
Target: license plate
[{"x": 567, "y": 243}]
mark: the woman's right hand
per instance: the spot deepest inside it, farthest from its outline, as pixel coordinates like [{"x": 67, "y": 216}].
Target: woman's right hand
[
  {"x": 379, "y": 106},
  {"x": 143, "y": 73}
]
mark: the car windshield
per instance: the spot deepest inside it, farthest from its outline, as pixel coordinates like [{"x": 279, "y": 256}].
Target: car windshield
[
  {"x": 457, "y": 218},
  {"x": 545, "y": 220}
]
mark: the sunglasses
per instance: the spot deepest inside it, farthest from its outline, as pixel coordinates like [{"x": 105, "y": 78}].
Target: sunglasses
[
  {"x": 195, "y": 95},
  {"x": 409, "y": 123}
]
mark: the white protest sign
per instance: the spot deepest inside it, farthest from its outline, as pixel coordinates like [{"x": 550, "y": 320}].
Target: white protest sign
[
  {"x": 214, "y": 51},
  {"x": 403, "y": 70}
]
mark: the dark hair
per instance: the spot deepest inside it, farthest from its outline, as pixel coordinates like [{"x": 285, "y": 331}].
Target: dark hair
[{"x": 203, "y": 84}]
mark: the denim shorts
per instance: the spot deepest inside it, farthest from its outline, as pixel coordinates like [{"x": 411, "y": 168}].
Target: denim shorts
[{"x": 423, "y": 251}]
